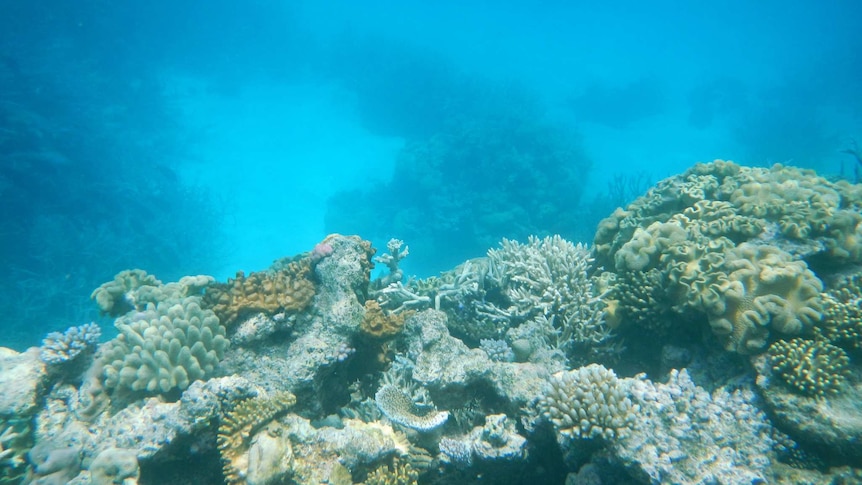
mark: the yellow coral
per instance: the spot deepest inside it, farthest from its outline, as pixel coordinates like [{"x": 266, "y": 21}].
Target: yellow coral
[{"x": 399, "y": 473}]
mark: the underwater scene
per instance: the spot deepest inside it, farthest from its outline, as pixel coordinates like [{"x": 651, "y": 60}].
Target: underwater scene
[{"x": 398, "y": 243}]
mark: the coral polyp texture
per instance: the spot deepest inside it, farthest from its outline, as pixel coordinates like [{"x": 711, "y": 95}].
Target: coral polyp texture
[
  {"x": 589, "y": 402},
  {"x": 59, "y": 348},
  {"x": 813, "y": 368},
  {"x": 735, "y": 243},
  {"x": 396, "y": 405},
  {"x": 239, "y": 425},
  {"x": 287, "y": 288},
  {"x": 165, "y": 347}
]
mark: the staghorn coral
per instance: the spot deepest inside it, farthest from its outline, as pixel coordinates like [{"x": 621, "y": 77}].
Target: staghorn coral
[
  {"x": 241, "y": 423},
  {"x": 813, "y": 368},
  {"x": 400, "y": 408},
  {"x": 550, "y": 277},
  {"x": 585, "y": 403},
  {"x": 287, "y": 288},
  {"x": 165, "y": 347},
  {"x": 58, "y": 348},
  {"x": 379, "y": 324}
]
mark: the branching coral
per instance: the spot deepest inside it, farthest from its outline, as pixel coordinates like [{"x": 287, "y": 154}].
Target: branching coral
[
  {"x": 813, "y": 368},
  {"x": 589, "y": 402},
  {"x": 59, "y": 348}
]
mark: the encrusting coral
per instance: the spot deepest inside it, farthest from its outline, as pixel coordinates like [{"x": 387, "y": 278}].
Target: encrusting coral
[
  {"x": 241, "y": 423},
  {"x": 378, "y": 323},
  {"x": 285, "y": 289},
  {"x": 813, "y": 368}
]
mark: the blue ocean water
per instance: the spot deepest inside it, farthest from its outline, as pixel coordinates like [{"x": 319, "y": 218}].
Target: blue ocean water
[{"x": 210, "y": 137}]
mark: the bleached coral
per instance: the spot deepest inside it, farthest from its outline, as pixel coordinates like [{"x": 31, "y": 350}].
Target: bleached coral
[{"x": 550, "y": 277}]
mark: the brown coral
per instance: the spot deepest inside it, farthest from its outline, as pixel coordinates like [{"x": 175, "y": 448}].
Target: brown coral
[
  {"x": 288, "y": 288},
  {"x": 379, "y": 324}
]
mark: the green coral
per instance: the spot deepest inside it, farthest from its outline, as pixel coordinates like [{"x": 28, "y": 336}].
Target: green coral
[
  {"x": 813, "y": 368},
  {"x": 732, "y": 243},
  {"x": 165, "y": 347}
]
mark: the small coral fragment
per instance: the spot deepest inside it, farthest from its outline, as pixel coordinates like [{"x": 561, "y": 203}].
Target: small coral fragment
[{"x": 398, "y": 407}]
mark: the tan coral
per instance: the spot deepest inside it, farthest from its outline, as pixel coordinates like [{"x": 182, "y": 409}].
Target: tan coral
[
  {"x": 240, "y": 425},
  {"x": 287, "y": 289},
  {"x": 380, "y": 324},
  {"x": 766, "y": 290}
]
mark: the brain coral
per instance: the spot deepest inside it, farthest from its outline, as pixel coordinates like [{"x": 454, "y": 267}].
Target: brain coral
[
  {"x": 165, "y": 347},
  {"x": 734, "y": 243}
]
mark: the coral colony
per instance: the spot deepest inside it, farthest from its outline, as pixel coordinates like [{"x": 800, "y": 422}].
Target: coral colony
[{"x": 711, "y": 334}]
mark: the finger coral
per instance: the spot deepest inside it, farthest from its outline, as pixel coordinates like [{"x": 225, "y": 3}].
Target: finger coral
[{"x": 167, "y": 346}]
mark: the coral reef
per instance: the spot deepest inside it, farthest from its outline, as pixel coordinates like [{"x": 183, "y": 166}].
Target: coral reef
[
  {"x": 59, "y": 348},
  {"x": 117, "y": 297},
  {"x": 684, "y": 434},
  {"x": 814, "y": 368},
  {"x": 733, "y": 243},
  {"x": 166, "y": 347},
  {"x": 400, "y": 409},
  {"x": 589, "y": 402},
  {"x": 379, "y": 324},
  {"x": 239, "y": 425},
  {"x": 115, "y": 466},
  {"x": 398, "y": 473},
  {"x": 285, "y": 289}
]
